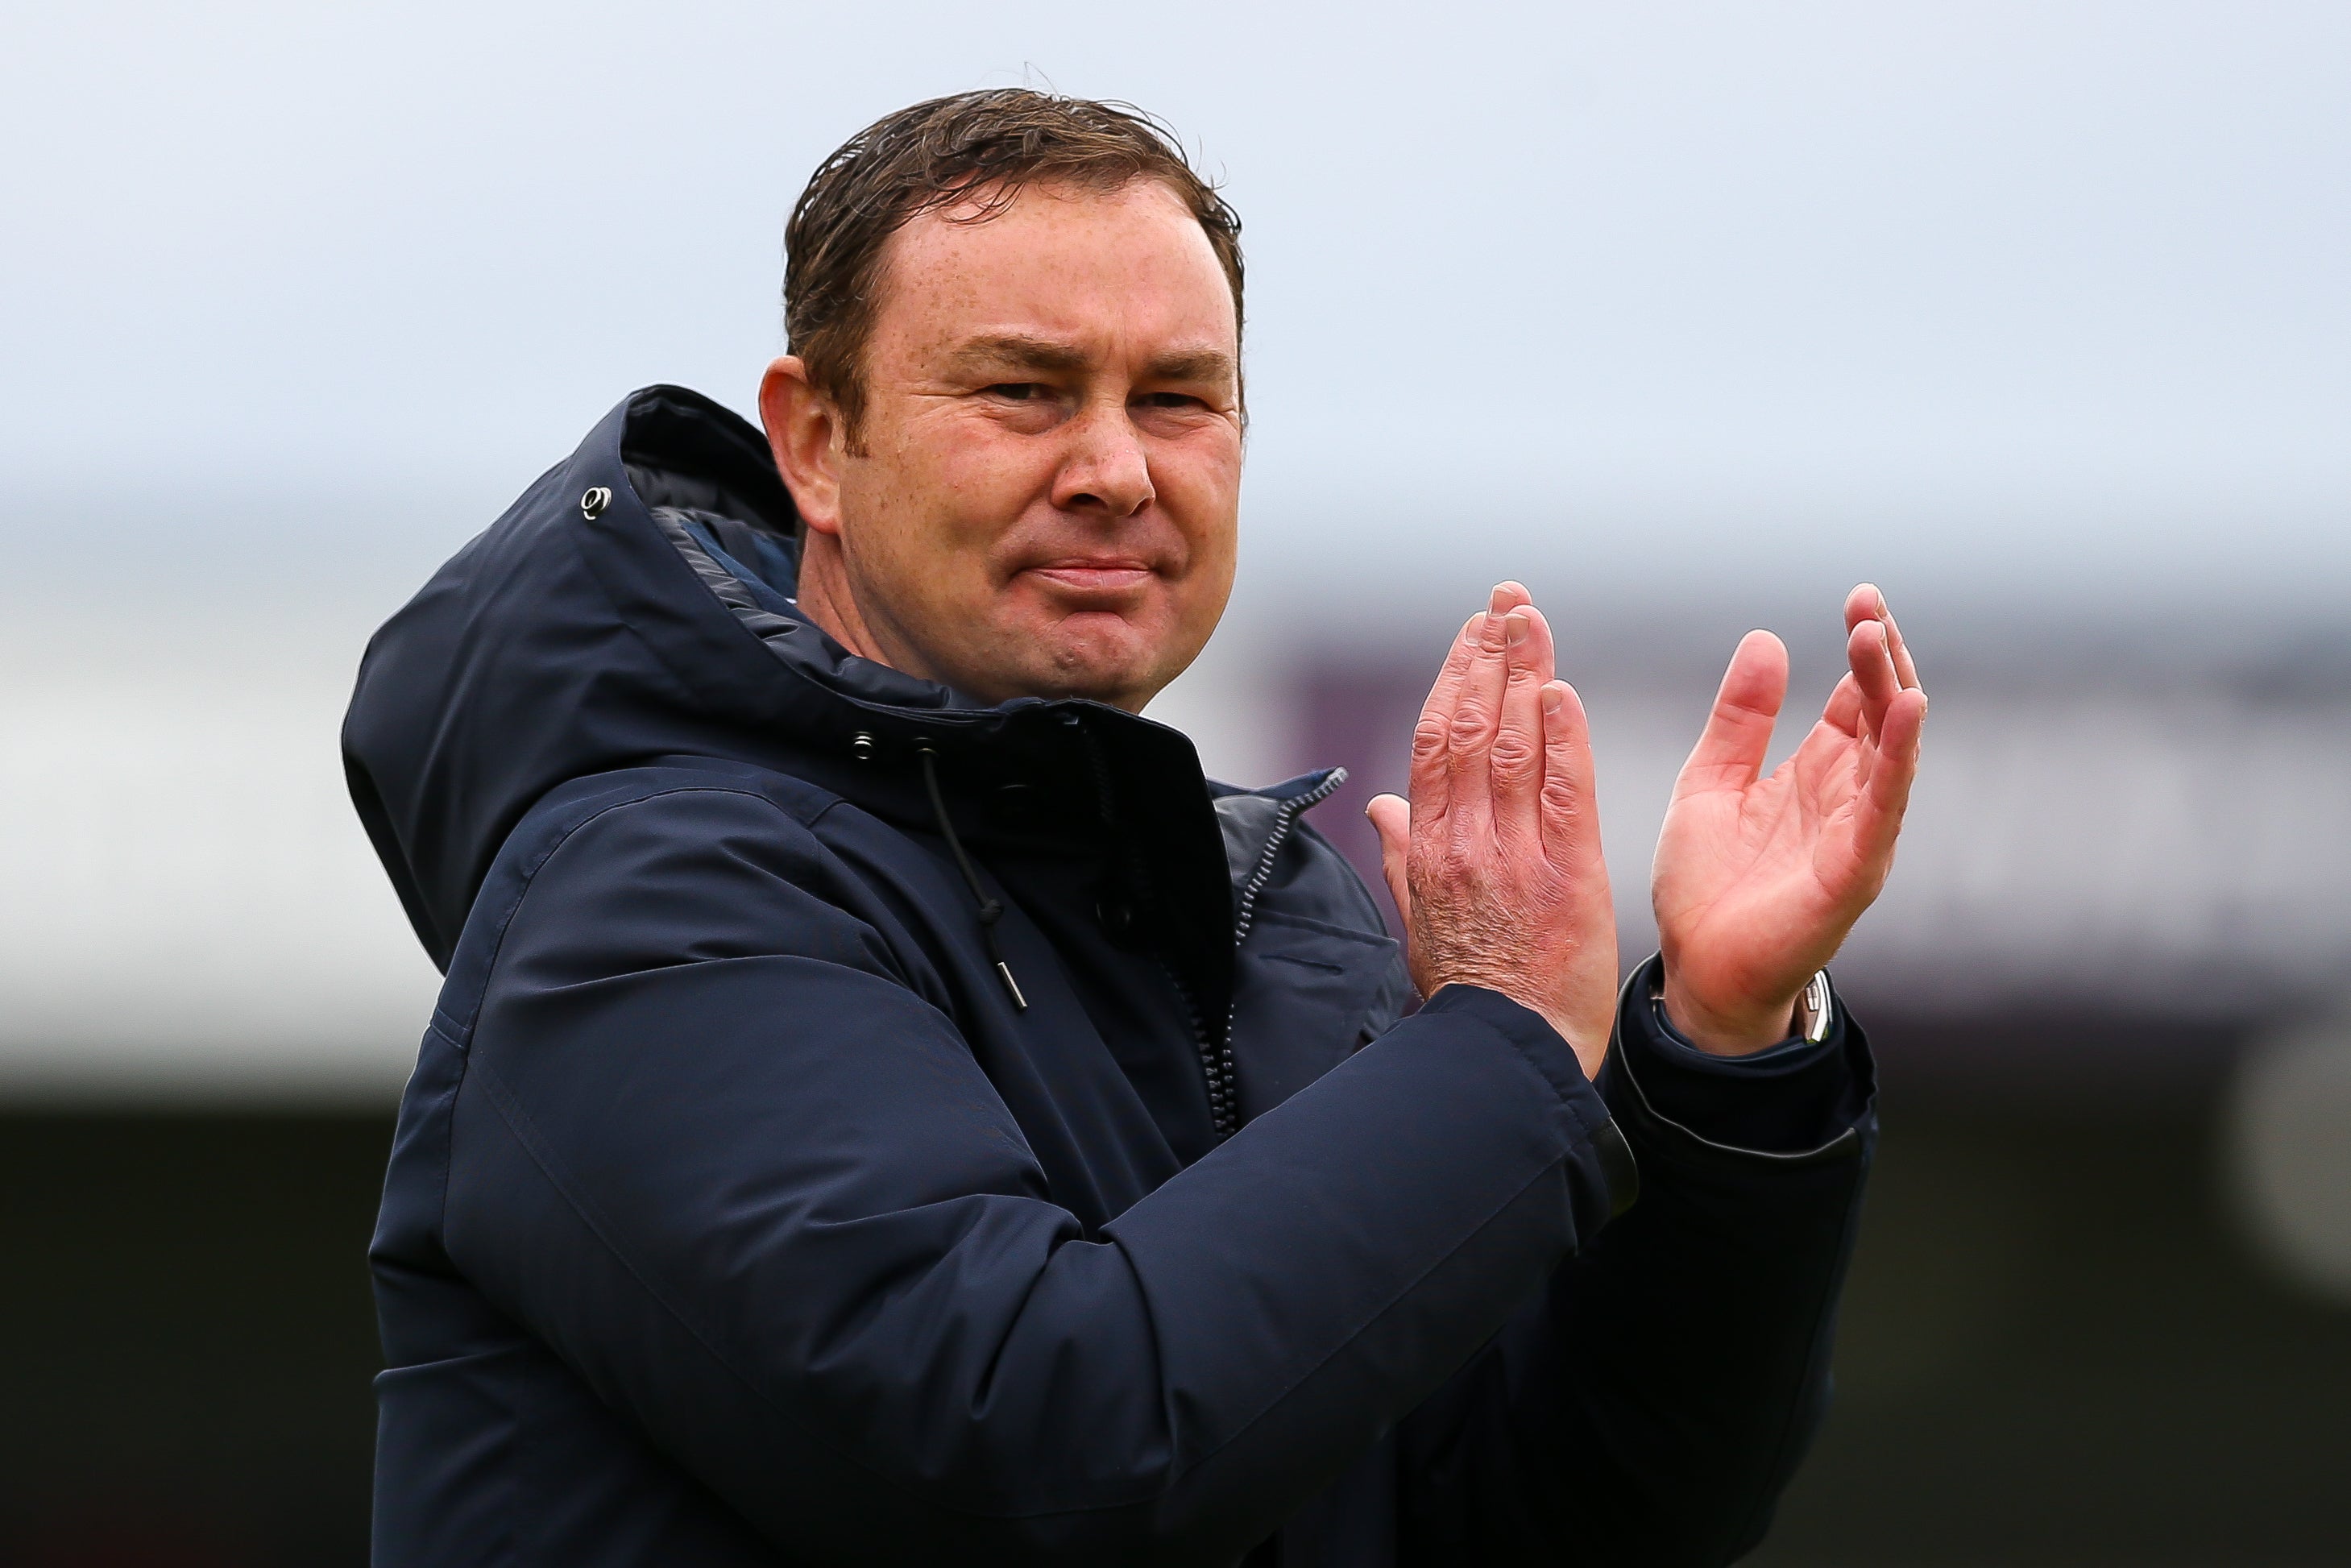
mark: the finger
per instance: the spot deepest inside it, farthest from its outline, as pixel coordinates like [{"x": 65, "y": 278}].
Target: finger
[
  {"x": 1904, "y": 667},
  {"x": 1886, "y": 794},
  {"x": 1868, "y": 602},
  {"x": 1469, "y": 737},
  {"x": 1392, "y": 820},
  {"x": 1429, "y": 735},
  {"x": 1730, "y": 750},
  {"x": 1509, "y": 595},
  {"x": 1541, "y": 653},
  {"x": 1571, "y": 818},
  {"x": 1515, "y": 761},
  {"x": 1871, "y": 659},
  {"x": 1842, "y": 710}
]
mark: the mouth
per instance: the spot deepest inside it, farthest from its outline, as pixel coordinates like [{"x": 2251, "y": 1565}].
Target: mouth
[{"x": 1095, "y": 576}]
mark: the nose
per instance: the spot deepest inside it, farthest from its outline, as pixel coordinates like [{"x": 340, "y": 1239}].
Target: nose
[{"x": 1105, "y": 469}]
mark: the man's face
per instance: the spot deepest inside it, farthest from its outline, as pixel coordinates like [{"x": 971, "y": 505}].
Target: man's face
[{"x": 1045, "y": 495}]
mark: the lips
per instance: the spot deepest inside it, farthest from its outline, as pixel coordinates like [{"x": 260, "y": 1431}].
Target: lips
[{"x": 1094, "y": 575}]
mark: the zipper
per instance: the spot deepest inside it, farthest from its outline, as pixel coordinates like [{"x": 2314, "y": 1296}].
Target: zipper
[
  {"x": 1216, "y": 1053},
  {"x": 1216, "y": 1061},
  {"x": 1284, "y": 821}
]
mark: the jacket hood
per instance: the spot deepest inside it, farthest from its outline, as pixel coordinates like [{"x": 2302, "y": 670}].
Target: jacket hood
[{"x": 636, "y": 604}]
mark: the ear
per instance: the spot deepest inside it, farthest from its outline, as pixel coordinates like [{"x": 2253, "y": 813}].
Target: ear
[{"x": 805, "y": 433}]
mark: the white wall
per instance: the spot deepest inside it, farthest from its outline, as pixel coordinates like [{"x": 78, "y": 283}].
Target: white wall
[{"x": 191, "y": 910}]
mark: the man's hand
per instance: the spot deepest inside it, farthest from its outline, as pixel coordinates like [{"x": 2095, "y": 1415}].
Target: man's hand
[
  {"x": 1496, "y": 863},
  {"x": 1757, "y": 879}
]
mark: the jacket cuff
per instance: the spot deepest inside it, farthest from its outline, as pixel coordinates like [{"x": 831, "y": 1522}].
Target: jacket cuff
[
  {"x": 1798, "y": 1101},
  {"x": 1553, "y": 1058}
]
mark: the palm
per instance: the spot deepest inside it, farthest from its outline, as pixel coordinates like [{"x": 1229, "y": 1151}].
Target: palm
[
  {"x": 1745, "y": 872},
  {"x": 1757, "y": 878}
]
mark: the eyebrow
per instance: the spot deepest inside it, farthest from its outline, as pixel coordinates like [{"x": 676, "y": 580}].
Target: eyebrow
[
  {"x": 1022, "y": 349},
  {"x": 1192, "y": 365},
  {"x": 1051, "y": 355}
]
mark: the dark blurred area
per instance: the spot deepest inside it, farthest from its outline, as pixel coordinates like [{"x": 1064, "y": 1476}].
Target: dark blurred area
[
  {"x": 2055, "y": 1349},
  {"x": 191, "y": 1338}
]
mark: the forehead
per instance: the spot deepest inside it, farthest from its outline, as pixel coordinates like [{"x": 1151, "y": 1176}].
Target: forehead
[{"x": 1130, "y": 268}]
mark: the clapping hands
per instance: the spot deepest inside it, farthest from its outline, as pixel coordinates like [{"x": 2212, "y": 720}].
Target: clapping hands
[{"x": 1495, "y": 862}]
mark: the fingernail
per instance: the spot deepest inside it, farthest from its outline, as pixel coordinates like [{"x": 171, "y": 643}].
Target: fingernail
[
  {"x": 1514, "y": 629},
  {"x": 1552, "y": 698}
]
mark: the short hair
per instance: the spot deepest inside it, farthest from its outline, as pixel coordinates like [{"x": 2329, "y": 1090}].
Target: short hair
[{"x": 986, "y": 144}]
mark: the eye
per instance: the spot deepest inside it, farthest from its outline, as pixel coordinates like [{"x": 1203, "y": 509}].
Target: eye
[
  {"x": 1018, "y": 391},
  {"x": 1171, "y": 400}
]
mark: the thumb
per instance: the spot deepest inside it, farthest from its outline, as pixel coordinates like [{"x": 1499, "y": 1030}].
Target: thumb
[{"x": 1392, "y": 820}]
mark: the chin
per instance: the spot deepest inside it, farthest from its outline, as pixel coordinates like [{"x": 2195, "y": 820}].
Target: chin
[
  {"x": 1119, "y": 683},
  {"x": 1117, "y": 669}
]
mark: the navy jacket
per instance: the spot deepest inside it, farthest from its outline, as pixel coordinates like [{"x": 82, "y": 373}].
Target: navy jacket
[{"x": 741, "y": 1212}]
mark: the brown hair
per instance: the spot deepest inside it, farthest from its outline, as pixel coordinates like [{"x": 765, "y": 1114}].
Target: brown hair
[{"x": 987, "y": 145}]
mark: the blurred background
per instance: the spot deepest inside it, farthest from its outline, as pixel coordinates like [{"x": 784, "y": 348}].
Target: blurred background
[{"x": 1690, "y": 315}]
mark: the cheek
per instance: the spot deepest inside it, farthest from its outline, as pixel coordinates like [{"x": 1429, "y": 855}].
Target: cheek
[
  {"x": 977, "y": 480},
  {"x": 1199, "y": 486},
  {"x": 934, "y": 503}
]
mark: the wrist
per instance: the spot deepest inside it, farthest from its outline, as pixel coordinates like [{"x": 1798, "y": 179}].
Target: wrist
[
  {"x": 1738, "y": 1030},
  {"x": 1586, "y": 1037}
]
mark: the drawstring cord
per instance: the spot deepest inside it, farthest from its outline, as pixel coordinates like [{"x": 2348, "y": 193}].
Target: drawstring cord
[{"x": 990, "y": 910}]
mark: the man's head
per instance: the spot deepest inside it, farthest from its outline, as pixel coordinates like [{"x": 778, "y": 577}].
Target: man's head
[{"x": 1011, "y": 414}]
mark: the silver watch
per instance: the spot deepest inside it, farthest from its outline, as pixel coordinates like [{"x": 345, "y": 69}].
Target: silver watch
[{"x": 1817, "y": 1008}]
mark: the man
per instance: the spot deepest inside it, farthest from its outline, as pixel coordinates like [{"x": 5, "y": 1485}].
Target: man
[{"x": 886, "y": 1107}]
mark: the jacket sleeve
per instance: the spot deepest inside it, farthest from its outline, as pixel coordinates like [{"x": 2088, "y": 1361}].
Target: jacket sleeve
[
  {"x": 716, "y": 1149},
  {"x": 1650, "y": 1404}
]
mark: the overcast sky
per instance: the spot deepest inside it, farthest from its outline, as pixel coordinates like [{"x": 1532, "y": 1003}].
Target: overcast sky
[
  {"x": 2029, "y": 311},
  {"x": 1968, "y": 297}
]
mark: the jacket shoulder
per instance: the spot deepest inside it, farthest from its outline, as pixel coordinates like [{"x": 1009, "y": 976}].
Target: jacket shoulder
[
  {"x": 1279, "y": 863},
  {"x": 1314, "y": 881},
  {"x": 693, "y": 830}
]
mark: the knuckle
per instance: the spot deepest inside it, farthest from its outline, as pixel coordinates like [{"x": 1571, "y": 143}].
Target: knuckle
[
  {"x": 1469, "y": 725},
  {"x": 1514, "y": 755}
]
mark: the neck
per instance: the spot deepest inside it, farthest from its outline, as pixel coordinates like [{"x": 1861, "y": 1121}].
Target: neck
[{"x": 827, "y": 598}]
